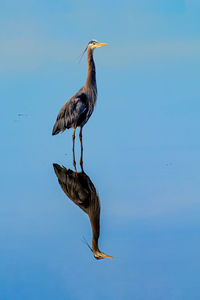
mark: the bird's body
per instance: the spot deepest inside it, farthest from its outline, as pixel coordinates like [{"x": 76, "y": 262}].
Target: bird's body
[
  {"x": 79, "y": 108},
  {"x": 76, "y": 111}
]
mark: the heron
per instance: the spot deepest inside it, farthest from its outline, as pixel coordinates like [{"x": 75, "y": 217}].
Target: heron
[
  {"x": 79, "y": 108},
  {"x": 79, "y": 188}
]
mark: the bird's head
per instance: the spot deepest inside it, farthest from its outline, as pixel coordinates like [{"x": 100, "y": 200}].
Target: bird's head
[{"x": 94, "y": 44}]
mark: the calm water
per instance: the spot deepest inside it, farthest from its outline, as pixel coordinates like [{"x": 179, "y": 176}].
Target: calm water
[
  {"x": 149, "y": 215},
  {"x": 141, "y": 151}
]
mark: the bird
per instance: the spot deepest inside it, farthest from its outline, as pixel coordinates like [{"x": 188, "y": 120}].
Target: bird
[
  {"x": 79, "y": 188},
  {"x": 79, "y": 108}
]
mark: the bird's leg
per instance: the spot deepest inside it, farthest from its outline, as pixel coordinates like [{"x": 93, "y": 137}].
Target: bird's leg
[
  {"x": 73, "y": 140},
  {"x": 81, "y": 160},
  {"x": 74, "y": 163}
]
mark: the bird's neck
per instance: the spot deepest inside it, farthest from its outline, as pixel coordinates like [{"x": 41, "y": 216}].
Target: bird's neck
[
  {"x": 91, "y": 75},
  {"x": 94, "y": 220}
]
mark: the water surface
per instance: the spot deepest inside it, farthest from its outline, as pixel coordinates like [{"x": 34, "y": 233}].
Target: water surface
[{"x": 141, "y": 151}]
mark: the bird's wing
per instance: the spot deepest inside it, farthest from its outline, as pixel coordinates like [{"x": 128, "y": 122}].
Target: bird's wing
[{"x": 71, "y": 113}]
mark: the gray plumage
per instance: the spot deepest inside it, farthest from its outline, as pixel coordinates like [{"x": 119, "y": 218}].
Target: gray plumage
[
  {"x": 76, "y": 111},
  {"x": 79, "y": 108}
]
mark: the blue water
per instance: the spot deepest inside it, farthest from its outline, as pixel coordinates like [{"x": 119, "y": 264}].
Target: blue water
[
  {"x": 147, "y": 181},
  {"x": 141, "y": 151}
]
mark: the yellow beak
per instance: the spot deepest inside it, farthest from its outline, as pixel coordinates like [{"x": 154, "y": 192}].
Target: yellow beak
[{"x": 102, "y": 44}]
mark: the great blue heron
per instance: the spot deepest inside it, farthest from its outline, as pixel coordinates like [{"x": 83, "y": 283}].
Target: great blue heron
[
  {"x": 78, "y": 109},
  {"x": 79, "y": 188}
]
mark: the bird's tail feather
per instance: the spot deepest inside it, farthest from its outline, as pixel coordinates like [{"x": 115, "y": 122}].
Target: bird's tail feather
[
  {"x": 58, "y": 127},
  {"x": 55, "y": 130}
]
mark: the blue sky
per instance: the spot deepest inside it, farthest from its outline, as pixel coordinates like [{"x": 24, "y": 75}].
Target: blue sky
[{"x": 141, "y": 149}]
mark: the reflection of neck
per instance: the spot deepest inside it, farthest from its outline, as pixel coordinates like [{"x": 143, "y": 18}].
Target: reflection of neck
[
  {"x": 91, "y": 75},
  {"x": 94, "y": 220}
]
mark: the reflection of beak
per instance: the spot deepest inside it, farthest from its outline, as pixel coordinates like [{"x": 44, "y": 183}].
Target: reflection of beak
[
  {"x": 102, "y": 44},
  {"x": 108, "y": 256}
]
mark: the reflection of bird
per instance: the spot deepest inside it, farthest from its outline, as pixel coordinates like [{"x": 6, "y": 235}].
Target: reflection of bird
[
  {"x": 78, "y": 109},
  {"x": 79, "y": 188}
]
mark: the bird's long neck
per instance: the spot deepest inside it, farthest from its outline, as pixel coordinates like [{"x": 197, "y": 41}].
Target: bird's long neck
[
  {"x": 91, "y": 75},
  {"x": 94, "y": 220}
]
